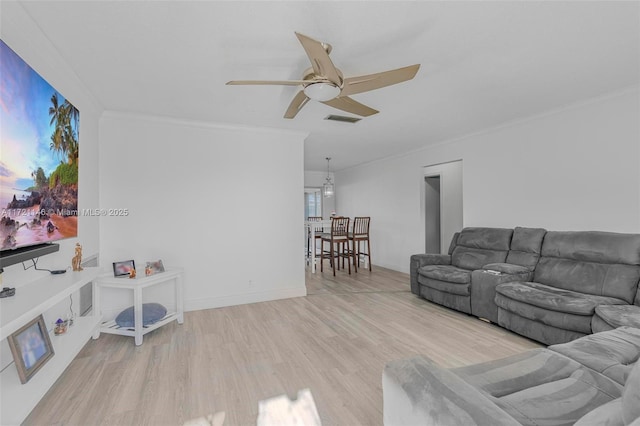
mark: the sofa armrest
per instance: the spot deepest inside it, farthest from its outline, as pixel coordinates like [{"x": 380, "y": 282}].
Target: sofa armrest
[
  {"x": 417, "y": 392},
  {"x": 419, "y": 260}
]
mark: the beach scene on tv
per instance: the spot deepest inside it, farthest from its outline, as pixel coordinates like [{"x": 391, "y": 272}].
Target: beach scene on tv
[{"x": 39, "y": 157}]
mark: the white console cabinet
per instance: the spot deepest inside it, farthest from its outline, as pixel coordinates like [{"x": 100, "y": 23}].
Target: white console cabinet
[{"x": 17, "y": 399}]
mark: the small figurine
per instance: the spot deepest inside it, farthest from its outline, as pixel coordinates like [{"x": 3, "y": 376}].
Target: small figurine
[
  {"x": 61, "y": 327},
  {"x": 132, "y": 273},
  {"x": 147, "y": 270},
  {"x": 77, "y": 259}
]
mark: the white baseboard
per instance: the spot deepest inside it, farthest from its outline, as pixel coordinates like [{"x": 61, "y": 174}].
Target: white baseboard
[{"x": 244, "y": 298}]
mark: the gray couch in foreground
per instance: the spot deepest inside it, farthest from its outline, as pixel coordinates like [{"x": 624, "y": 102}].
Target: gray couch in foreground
[
  {"x": 547, "y": 285},
  {"x": 594, "y": 380}
]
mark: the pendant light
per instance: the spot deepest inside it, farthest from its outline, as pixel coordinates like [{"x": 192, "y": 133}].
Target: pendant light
[{"x": 327, "y": 188}]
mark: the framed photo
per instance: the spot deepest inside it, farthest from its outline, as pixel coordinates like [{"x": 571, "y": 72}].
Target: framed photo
[
  {"x": 124, "y": 268},
  {"x": 31, "y": 348},
  {"x": 154, "y": 267}
]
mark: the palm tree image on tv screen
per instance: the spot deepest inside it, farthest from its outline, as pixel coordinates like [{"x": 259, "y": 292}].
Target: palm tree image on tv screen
[{"x": 40, "y": 155}]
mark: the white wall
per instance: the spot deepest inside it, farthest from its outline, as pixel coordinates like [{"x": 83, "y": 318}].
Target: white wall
[
  {"x": 222, "y": 202},
  {"x": 571, "y": 169},
  {"x": 316, "y": 180},
  {"x": 23, "y": 36}
]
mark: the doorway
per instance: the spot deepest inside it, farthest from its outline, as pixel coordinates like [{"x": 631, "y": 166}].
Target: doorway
[
  {"x": 441, "y": 204},
  {"x": 432, "y": 228}
]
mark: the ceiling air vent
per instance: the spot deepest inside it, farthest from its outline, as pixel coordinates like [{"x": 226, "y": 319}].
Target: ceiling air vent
[{"x": 342, "y": 118}]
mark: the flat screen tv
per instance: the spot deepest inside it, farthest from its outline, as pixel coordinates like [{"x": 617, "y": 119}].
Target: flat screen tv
[{"x": 39, "y": 149}]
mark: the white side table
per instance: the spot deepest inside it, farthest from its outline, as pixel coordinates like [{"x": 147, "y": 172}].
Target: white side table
[{"x": 137, "y": 285}]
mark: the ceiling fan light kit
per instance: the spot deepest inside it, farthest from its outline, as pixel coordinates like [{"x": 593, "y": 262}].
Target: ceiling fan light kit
[
  {"x": 323, "y": 82},
  {"x": 321, "y": 91}
]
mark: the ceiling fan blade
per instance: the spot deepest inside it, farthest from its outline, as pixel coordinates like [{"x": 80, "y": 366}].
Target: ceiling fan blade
[
  {"x": 319, "y": 58},
  {"x": 365, "y": 83},
  {"x": 266, "y": 82},
  {"x": 347, "y": 104},
  {"x": 296, "y": 105}
]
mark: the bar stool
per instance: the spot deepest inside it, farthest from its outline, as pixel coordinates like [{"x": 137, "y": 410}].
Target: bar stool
[
  {"x": 338, "y": 236},
  {"x": 360, "y": 234},
  {"x": 318, "y": 229}
]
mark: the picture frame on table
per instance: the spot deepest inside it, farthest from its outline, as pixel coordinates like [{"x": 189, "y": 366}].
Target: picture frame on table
[
  {"x": 31, "y": 348},
  {"x": 154, "y": 267},
  {"x": 125, "y": 268}
]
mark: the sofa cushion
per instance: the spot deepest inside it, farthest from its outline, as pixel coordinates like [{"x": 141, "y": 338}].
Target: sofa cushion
[
  {"x": 609, "y": 414},
  {"x": 619, "y": 315},
  {"x": 557, "y": 320},
  {"x": 631, "y": 396},
  {"x": 460, "y": 289},
  {"x": 555, "y": 299},
  {"x": 561, "y": 402},
  {"x": 612, "y": 353},
  {"x": 593, "y": 246},
  {"x": 486, "y": 238},
  {"x": 473, "y": 258},
  {"x": 598, "y": 325},
  {"x": 517, "y": 372},
  {"x": 446, "y": 273},
  {"x": 478, "y": 246},
  {"x": 540, "y": 387},
  {"x": 613, "y": 280},
  {"x": 526, "y": 245}
]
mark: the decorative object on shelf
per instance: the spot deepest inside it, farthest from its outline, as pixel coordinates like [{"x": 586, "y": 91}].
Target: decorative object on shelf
[
  {"x": 31, "y": 348},
  {"x": 60, "y": 327},
  {"x": 327, "y": 187},
  {"x": 124, "y": 268},
  {"x": 7, "y": 292},
  {"x": 77, "y": 259},
  {"x": 151, "y": 314},
  {"x": 154, "y": 267}
]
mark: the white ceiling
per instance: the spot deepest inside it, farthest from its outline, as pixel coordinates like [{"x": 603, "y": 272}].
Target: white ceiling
[{"x": 482, "y": 63}]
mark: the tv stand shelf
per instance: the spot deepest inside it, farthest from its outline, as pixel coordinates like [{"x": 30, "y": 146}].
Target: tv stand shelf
[{"x": 17, "y": 399}]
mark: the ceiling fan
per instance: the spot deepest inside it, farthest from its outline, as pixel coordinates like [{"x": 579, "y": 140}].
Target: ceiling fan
[{"x": 323, "y": 82}]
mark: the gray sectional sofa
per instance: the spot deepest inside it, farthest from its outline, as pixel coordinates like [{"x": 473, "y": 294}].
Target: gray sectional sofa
[
  {"x": 594, "y": 380},
  {"x": 547, "y": 285}
]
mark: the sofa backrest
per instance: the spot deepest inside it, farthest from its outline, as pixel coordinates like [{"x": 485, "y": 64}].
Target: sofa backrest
[
  {"x": 525, "y": 248},
  {"x": 476, "y": 247},
  {"x": 598, "y": 263}
]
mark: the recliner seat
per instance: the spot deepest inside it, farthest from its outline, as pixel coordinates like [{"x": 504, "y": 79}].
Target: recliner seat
[
  {"x": 577, "y": 272},
  {"x": 446, "y": 279}
]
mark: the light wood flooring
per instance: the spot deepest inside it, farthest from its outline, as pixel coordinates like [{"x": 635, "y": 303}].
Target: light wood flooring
[{"x": 335, "y": 342}]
